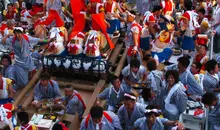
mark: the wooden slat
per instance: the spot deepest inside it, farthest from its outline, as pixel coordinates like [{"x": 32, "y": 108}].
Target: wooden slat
[
  {"x": 92, "y": 100},
  {"x": 121, "y": 64},
  {"x": 76, "y": 85},
  {"x": 28, "y": 87},
  {"x": 68, "y": 117}
]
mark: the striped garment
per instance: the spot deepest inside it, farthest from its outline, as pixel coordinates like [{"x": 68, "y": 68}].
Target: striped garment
[
  {"x": 210, "y": 82},
  {"x": 214, "y": 118}
]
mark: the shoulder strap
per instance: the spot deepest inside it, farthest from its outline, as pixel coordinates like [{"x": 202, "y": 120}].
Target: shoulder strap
[
  {"x": 107, "y": 116},
  {"x": 80, "y": 98},
  {"x": 135, "y": 24},
  {"x": 51, "y": 83},
  {"x": 87, "y": 121}
]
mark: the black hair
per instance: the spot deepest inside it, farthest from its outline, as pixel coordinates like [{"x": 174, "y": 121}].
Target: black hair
[
  {"x": 188, "y": 4},
  {"x": 1, "y": 70},
  {"x": 96, "y": 112},
  {"x": 133, "y": 12},
  {"x": 69, "y": 86},
  {"x": 210, "y": 65},
  {"x": 202, "y": 10},
  {"x": 17, "y": 31},
  {"x": 206, "y": 47},
  {"x": 57, "y": 126},
  {"x": 135, "y": 63},
  {"x": 23, "y": 117},
  {"x": 151, "y": 64},
  {"x": 45, "y": 76},
  {"x": 174, "y": 73},
  {"x": 113, "y": 78},
  {"x": 184, "y": 61},
  {"x": 198, "y": 65},
  {"x": 157, "y": 8},
  {"x": 8, "y": 57},
  {"x": 129, "y": 98},
  {"x": 28, "y": 5},
  {"x": 208, "y": 98},
  {"x": 146, "y": 94},
  {"x": 10, "y": 4}
]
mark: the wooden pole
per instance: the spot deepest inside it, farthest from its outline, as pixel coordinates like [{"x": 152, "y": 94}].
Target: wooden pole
[
  {"x": 28, "y": 87},
  {"x": 115, "y": 53},
  {"x": 121, "y": 64},
  {"x": 98, "y": 89}
]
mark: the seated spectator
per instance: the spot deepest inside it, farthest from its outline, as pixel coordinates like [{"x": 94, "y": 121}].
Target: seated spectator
[
  {"x": 73, "y": 102},
  {"x": 113, "y": 94},
  {"x": 23, "y": 120},
  {"x": 211, "y": 78},
  {"x": 130, "y": 112},
  {"x": 100, "y": 120},
  {"x": 132, "y": 74},
  {"x": 202, "y": 57},
  {"x": 152, "y": 121},
  {"x": 6, "y": 91},
  {"x": 16, "y": 73},
  {"x": 46, "y": 89},
  {"x": 212, "y": 102},
  {"x": 173, "y": 97}
]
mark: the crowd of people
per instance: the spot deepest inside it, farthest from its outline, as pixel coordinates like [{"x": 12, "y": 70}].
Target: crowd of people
[{"x": 147, "y": 97}]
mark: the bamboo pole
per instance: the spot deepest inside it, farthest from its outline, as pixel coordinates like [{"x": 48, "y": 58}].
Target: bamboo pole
[
  {"x": 92, "y": 100},
  {"x": 28, "y": 87},
  {"x": 115, "y": 53},
  {"x": 121, "y": 64},
  {"x": 28, "y": 99}
]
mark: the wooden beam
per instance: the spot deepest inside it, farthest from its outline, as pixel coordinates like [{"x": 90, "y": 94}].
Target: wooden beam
[
  {"x": 92, "y": 100},
  {"x": 68, "y": 117},
  {"x": 28, "y": 87},
  {"x": 121, "y": 64},
  {"x": 76, "y": 85}
]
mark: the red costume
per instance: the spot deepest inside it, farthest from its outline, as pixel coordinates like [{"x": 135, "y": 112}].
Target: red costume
[{"x": 167, "y": 7}]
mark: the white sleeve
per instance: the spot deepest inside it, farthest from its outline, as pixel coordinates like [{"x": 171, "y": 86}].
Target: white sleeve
[{"x": 135, "y": 29}]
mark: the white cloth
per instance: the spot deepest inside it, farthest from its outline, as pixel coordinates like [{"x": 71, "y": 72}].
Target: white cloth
[{"x": 172, "y": 108}]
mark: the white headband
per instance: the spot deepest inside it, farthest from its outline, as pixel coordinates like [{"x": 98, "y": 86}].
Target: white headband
[
  {"x": 130, "y": 96},
  {"x": 152, "y": 110},
  {"x": 19, "y": 28},
  {"x": 130, "y": 14}
]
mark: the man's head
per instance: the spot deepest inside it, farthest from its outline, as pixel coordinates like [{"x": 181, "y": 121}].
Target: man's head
[
  {"x": 129, "y": 101},
  {"x": 157, "y": 10},
  {"x": 18, "y": 31},
  {"x": 151, "y": 113},
  {"x": 10, "y": 7},
  {"x": 23, "y": 117},
  {"x": 209, "y": 99},
  {"x": 151, "y": 64},
  {"x": 196, "y": 67},
  {"x": 115, "y": 81},
  {"x": 131, "y": 16},
  {"x": 135, "y": 65},
  {"x": 96, "y": 113},
  {"x": 147, "y": 94},
  {"x": 68, "y": 90},
  {"x": 183, "y": 63},
  {"x": 10, "y": 24},
  {"x": 212, "y": 66},
  {"x": 202, "y": 49},
  {"x": 188, "y": 4},
  {"x": 201, "y": 13},
  {"x": 44, "y": 79},
  {"x": 6, "y": 60}
]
